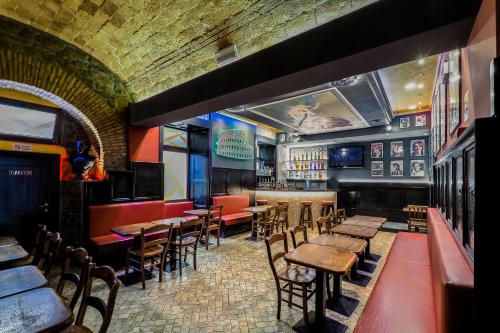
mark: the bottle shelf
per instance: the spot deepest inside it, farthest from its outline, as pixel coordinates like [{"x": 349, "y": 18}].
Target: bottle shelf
[
  {"x": 311, "y": 180},
  {"x": 309, "y": 170}
]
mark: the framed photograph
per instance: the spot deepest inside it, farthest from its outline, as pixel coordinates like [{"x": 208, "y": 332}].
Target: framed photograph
[
  {"x": 282, "y": 137},
  {"x": 377, "y": 168},
  {"x": 417, "y": 168},
  {"x": 404, "y": 122},
  {"x": 453, "y": 95},
  {"x": 442, "y": 114},
  {"x": 397, "y": 149},
  {"x": 435, "y": 123},
  {"x": 466, "y": 106},
  {"x": 458, "y": 222},
  {"x": 417, "y": 147},
  {"x": 420, "y": 120},
  {"x": 377, "y": 150},
  {"x": 397, "y": 168}
]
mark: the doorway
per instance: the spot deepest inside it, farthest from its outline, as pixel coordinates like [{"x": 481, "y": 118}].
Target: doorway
[{"x": 29, "y": 194}]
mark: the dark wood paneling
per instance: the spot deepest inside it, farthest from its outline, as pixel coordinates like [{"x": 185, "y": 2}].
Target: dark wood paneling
[
  {"x": 233, "y": 181},
  {"x": 382, "y": 199}
]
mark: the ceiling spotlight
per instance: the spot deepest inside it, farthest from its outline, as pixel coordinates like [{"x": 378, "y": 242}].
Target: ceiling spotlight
[
  {"x": 388, "y": 128},
  {"x": 410, "y": 86},
  {"x": 412, "y": 107},
  {"x": 421, "y": 61},
  {"x": 420, "y": 85}
]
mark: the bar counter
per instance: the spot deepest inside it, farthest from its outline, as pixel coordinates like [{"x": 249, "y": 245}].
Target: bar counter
[{"x": 294, "y": 197}]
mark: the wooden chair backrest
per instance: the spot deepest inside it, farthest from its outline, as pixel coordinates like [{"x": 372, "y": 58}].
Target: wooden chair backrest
[
  {"x": 49, "y": 254},
  {"x": 273, "y": 257},
  {"x": 191, "y": 228},
  {"x": 323, "y": 221},
  {"x": 40, "y": 237},
  {"x": 73, "y": 256},
  {"x": 108, "y": 275},
  {"x": 341, "y": 215},
  {"x": 296, "y": 230},
  {"x": 215, "y": 214},
  {"x": 165, "y": 239}
]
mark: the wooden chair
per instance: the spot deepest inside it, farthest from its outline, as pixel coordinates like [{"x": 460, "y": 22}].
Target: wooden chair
[
  {"x": 298, "y": 229},
  {"x": 281, "y": 218},
  {"x": 291, "y": 279},
  {"x": 324, "y": 221},
  {"x": 189, "y": 236},
  {"x": 154, "y": 250},
  {"x": 82, "y": 259},
  {"x": 341, "y": 216},
  {"x": 45, "y": 258},
  {"x": 417, "y": 217},
  {"x": 37, "y": 250},
  {"x": 108, "y": 275},
  {"x": 267, "y": 222},
  {"x": 212, "y": 224}
]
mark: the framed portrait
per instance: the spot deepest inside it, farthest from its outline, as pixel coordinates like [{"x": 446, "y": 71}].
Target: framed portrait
[
  {"x": 453, "y": 94},
  {"x": 404, "y": 122},
  {"x": 420, "y": 120},
  {"x": 282, "y": 137},
  {"x": 442, "y": 114},
  {"x": 377, "y": 168},
  {"x": 417, "y": 148},
  {"x": 435, "y": 123},
  {"x": 417, "y": 168},
  {"x": 396, "y": 168},
  {"x": 377, "y": 150},
  {"x": 397, "y": 149},
  {"x": 458, "y": 222}
]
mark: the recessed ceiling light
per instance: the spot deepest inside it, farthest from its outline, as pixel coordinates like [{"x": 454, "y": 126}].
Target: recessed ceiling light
[
  {"x": 420, "y": 85},
  {"x": 410, "y": 86},
  {"x": 388, "y": 128},
  {"x": 412, "y": 107},
  {"x": 419, "y": 103},
  {"x": 421, "y": 61}
]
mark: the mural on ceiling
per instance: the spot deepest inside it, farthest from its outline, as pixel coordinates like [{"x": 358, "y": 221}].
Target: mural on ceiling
[{"x": 315, "y": 113}]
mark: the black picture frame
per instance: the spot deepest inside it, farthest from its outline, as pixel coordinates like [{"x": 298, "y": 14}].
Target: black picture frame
[
  {"x": 458, "y": 221},
  {"x": 442, "y": 114},
  {"x": 470, "y": 198}
]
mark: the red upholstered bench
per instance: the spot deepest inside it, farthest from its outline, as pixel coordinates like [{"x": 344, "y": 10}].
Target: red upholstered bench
[
  {"x": 426, "y": 285},
  {"x": 231, "y": 212},
  {"x": 103, "y": 217}
]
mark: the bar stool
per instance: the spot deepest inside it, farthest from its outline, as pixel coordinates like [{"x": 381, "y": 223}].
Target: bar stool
[
  {"x": 306, "y": 214},
  {"x": 283, "y": 202},
  {"x": 261, "y": 202},
  {"x": 326, "y": 207}
]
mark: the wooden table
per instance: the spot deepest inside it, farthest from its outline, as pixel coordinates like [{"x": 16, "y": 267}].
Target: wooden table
[
  {"x": 324, "y": 259},
  {"x": 134, "y": 230},
  {"x": 12, "y": 253},
  {"x": 201, "y": 213},
  {"x": 255, "y": 211},
  {"x": 7, "y": 241},
  {"x": 34, "y": 311},
  {"x": 358, "y": 232},
  {"x": 20, "y": 279},
  {"x": 363, "y": 223}
]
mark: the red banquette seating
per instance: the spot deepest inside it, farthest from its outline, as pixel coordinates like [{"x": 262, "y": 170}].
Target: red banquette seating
[
  {"x": 426, "y": 285},
  {"x": 231, "y": 212},
  {"x": 101, "y": 218}
]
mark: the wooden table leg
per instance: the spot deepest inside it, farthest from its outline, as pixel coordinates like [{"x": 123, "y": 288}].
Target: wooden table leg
[
  {"x": 367, "y": 249},
  {"x": 337, "y": 287}
]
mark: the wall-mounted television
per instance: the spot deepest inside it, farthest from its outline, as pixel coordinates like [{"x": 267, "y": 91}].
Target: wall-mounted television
[{"x": 345, "y": 157}]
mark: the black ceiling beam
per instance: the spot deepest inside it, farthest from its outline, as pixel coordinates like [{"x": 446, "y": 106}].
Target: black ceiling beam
[{"x": 385, "y": 33}]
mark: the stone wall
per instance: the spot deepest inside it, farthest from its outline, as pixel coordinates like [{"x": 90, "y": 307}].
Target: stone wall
[{"x": 38, "y": 59}]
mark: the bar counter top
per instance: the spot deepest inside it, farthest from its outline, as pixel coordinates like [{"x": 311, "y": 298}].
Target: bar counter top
[{"x": 294, "y": 197}]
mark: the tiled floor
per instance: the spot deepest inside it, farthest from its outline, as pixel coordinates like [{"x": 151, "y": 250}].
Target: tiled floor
[{"x": 232, "y": 291}]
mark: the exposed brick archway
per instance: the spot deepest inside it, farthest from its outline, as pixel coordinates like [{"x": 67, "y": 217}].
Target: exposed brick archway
[{"x": 39, "y": 60}]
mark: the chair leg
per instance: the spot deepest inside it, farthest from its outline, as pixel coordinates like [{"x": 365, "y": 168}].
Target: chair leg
[
  {"x": 143, "y": 276},
  {"x": 218, "y": 237},
  {"x": 290, "y": 289},
  {"x": 180, "y": 261},
  {"x": 126, "y": 268},
  {"x": 194, "y": 256},
  {"x": 162, "y": 263},
  {"x": 278, "y": 313},
  {"x": 304, "y": 305},
  {"x": 207, "y": 237}
]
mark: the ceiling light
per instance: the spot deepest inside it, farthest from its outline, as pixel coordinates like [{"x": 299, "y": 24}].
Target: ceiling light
[
  {"x": 388, "y": 128},
  {"x": 410, "y": 86},
  {"x": 412, "y": 107},
  {"x": 421, "y": 61},
  {"x": 419, "y": 103},
  {"x": 420, "y": 85}
]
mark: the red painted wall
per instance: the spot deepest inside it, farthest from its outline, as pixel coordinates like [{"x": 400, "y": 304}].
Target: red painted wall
[
  {"x": 144, "y": 144},
  {"x": 481, "y": 48}
]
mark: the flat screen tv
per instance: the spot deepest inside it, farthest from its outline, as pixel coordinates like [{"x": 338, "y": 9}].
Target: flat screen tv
[{"x": 346, "y": 157}]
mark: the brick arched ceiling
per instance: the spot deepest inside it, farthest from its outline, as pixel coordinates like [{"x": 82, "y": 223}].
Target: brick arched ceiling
[
  {"x": 40, "y": 60},
  {"x": 155, "y": 45}
]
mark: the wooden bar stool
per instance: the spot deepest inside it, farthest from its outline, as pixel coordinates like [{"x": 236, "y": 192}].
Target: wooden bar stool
[
  {"x": 326, "y": 207},
  {"x": 261, "y": 202},
  {"x": 306, "y": 213},
  {"x": 280, "y": 203}
]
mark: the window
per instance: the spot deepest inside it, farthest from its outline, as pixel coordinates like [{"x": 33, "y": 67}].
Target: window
[{"x": 175, "y": 161}]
